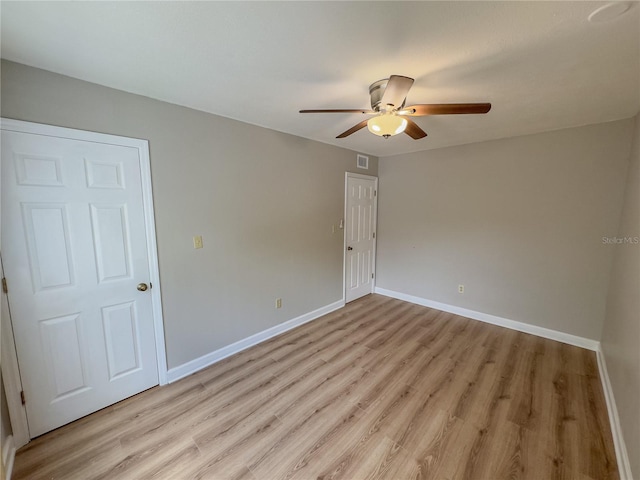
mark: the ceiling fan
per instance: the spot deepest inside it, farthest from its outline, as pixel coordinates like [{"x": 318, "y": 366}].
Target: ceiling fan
[{"x": 390, "y": 115}]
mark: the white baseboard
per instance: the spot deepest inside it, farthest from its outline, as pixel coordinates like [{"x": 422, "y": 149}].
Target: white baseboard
[
  {"x": 495, "y": 320},
  {"x": 193, "y": 366},
  {"x": 8, "y": 456},
  {"x": 622, "y": 457}
]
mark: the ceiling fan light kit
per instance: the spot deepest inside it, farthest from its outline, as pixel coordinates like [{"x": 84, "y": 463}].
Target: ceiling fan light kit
[
  {"x": 387, "y": 125},
  {"x": 388, "y": 97}
]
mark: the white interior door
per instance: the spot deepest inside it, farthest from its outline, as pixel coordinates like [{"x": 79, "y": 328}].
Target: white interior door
[
  {"x": 360, "y": 235},
  {"x": 75, "y": 250}
]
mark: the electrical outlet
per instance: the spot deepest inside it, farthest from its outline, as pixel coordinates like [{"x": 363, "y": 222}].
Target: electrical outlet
[
  {"x": 197, "y": 241},
  {"x": 460, "y": 288},
  {"x": 278, "y": 303}
]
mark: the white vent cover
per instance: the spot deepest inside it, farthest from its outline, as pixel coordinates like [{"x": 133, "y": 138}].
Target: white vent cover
[{"x": 363, "y": 162}]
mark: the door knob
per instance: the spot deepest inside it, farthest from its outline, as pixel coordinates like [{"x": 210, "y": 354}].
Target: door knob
[
  {"x": 142, "y": 287},
  {"x": 349, "y": 248}
]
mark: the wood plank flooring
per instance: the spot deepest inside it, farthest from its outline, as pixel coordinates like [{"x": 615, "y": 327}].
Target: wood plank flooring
[{"x": 379, "y": 389}]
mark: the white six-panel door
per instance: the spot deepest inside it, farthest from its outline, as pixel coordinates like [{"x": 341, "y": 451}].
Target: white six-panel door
[
  {"x": 74, "y": 247},
  {"x": 360, "y": 227}
]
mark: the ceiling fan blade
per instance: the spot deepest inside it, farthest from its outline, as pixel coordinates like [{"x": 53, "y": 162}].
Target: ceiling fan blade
[
  {"x": 396, "y": 91},
  {"x": 367, "y": 112},
  {"x": 353, "y": 129},
  {"x": 445, "y": 109},
  {"x": 413, "y": 130}
]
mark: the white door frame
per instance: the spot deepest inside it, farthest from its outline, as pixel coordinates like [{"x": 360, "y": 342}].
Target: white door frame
[
  {"x": 11, "y": 377},
  {"x": 344, "y": 240},
  {"x": 10, "y": 370}
]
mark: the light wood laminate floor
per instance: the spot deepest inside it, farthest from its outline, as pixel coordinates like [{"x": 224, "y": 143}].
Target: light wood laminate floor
[{"x": 378, "y": 389}]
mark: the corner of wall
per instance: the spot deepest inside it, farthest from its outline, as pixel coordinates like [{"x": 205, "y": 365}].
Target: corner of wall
[{"x": 619, "y": 357}]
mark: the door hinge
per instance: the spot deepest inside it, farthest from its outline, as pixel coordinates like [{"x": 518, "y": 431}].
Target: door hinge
[
  {"x": 5, "y": 289},
  {"x": 372, "y": 275},
  {"x": 374, "y": 234},
  {"x": 375, "y": 193},
  {"x": 22, "y": 399}
]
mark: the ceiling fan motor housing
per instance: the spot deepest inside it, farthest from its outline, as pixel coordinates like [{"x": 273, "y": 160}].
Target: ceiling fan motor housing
[{"x": 376, "y": 90}]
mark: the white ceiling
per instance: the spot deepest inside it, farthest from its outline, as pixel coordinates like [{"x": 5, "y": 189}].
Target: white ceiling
[{"x": 542, "y": 65}]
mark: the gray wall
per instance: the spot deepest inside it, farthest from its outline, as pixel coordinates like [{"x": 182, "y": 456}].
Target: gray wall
[
  {"x": 518, "y": 221},
  {"x": 621, "y": 332},
  {"x": 264, "y": 202}
]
